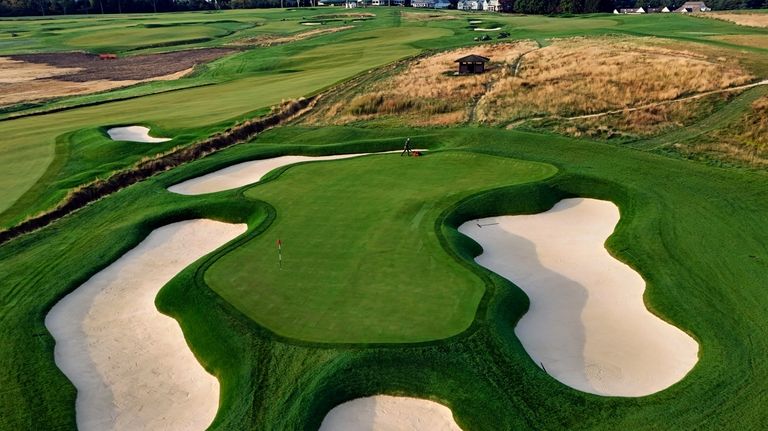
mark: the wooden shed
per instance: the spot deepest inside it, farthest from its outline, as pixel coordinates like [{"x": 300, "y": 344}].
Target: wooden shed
[{"x": 472, "y": 64}]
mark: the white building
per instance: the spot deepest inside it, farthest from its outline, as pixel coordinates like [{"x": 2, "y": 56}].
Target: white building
[
  {"x": 492, "y": 6},
  {"x": 442, "y": 4},
  {"x": 468, "y": 5}
]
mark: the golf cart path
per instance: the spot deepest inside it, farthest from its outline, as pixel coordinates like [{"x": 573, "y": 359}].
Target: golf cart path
[
  {"x": 131, "y": 364},
  {"x": 587, "y": 324},
  {"x": 388, "y": 413},
  {"x": 245, "y": 173}
]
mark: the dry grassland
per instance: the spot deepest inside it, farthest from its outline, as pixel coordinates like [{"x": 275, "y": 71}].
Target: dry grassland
[
  {"x": 644, "y": 122},
  {"x": 568, "y": 78},
  {"x": 275, "y": 39},
  {"x": 746, "y": 142},
  {"x": 427, "y": 92},
  {"x": 753, "y": 40},
  {"x": 745, "y": 19},
  {"x": 421, "y": 16},
  {"x": 591, "y": 75}
]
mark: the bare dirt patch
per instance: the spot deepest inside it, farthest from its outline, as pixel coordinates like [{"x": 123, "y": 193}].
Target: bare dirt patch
[
  {"x": 276, "y": 39},
  {"x": 33, "y": 77},
  {"x": 745, "y": 19}
]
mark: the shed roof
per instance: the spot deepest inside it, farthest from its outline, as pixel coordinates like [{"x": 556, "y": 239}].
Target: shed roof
[{"x": 473, "y": 58}]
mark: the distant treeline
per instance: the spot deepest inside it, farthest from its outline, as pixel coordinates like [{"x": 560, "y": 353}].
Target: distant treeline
[{"x": 65, "y": 7}]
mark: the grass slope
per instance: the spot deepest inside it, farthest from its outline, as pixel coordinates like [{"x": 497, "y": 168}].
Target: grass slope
[
  {"x": 362, "y": 260},
  {"x": 697, "y": 235}
]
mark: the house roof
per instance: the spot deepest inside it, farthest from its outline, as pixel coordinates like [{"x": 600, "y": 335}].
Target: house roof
[{"x": 472, "y": 58}]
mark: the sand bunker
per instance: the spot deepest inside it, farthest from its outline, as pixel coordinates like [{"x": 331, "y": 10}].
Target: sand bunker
[
  {"x": 387, "y": 413},
  {"x": 488, "y": 29},
  {"x": 130, "y": 364},
  {"x": 134, "y": 134},
  {"x": 587, "y": 324},
  {"x": 476, "y": 21},
  {"x": 246, "y": 173},
  {"x": 311, "y": 23}
]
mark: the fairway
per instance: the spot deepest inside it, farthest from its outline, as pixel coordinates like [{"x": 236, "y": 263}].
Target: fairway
[
  {"x": 580, "y": 244},
  {"x": 27, "y": 150},
  {"x": 363, "y": 260}
]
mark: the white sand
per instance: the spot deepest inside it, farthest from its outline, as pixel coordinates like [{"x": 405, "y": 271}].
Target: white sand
[
  {"x": 130, "y": 364},
  {"x": 488, "y": 29},
  {"x": 311, "y": 23},
  {"x": 587, "y": 323},
  {"x": 134, "y": 134},
  {"x": 387, "y": 413},
  {"x": 477, "y": 21},
  {"x": 246, "y": 173}
]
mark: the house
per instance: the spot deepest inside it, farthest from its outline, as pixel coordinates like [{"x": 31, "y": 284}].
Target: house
[
  {"x": 442, "y": 4},
  {"x": 423, "y": 3},
  {"x": 472, "y": 64},
  {"x": 468, "y": 5},
  {"x": 692, "y": 7},
  {"x": 491, "y": 5}
]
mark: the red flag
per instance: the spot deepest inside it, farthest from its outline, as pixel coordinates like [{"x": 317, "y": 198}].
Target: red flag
[{"x": 279, "y": 243}]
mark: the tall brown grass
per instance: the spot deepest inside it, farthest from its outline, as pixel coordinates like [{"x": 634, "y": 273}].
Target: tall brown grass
[
  {"x": 591, "y": 75},
  {"x": 427, "y": 91},
  {"x": 569, "y": 77},
  {"x": 745, "y": 19}
]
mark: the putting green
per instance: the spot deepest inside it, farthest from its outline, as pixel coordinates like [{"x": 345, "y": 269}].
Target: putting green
[{"x": 362, "y": 262}]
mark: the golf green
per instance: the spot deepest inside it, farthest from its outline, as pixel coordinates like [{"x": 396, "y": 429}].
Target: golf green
[{"x": 362, "y": 261}]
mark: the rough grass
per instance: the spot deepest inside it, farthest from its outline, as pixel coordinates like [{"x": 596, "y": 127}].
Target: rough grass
[
  {"x": 569, "y": 77},
  {"x": 427, "y": 91},
  {"x": 745, "y": 18},
  {"x": 744, "y": 142},
  {"x": 651, "y": 121},
  {"x": 590, "y": 75}
]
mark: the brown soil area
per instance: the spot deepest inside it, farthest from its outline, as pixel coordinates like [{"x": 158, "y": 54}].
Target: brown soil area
[
  {"x": 134, "y": 68},
  {"x": 34, "y": 77}
]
